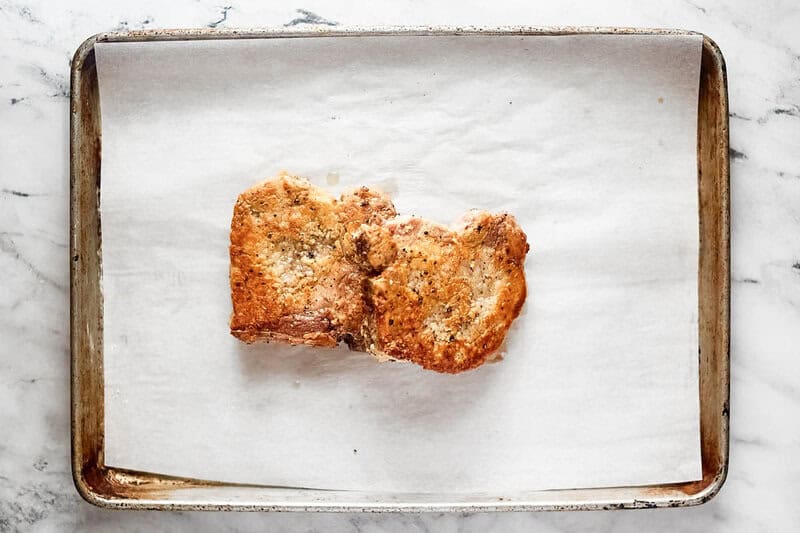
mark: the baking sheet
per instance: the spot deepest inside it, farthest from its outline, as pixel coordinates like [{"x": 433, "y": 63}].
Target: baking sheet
[{"x": 589, "y": 140}]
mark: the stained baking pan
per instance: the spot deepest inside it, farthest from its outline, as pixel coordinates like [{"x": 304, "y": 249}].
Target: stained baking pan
[{"x": 107, "y": 486}]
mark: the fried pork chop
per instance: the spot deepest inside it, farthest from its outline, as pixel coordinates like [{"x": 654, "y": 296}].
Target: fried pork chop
[
  {"x": 293, "y": 274},
  {"x": 439, "y": 297},
  {"x": 307, "y": 268}
]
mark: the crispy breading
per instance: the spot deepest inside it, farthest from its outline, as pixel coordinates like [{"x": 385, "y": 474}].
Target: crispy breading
[
  {"x": 443, "y": 298},
  {"x": 293, "y": 272},
  {"x": 309, "y": 269}
]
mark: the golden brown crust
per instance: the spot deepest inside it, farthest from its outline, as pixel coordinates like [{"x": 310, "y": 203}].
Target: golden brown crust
[
  {"x": 293, "y": 275},
  {"x": 445, "y": 299},
  {"x": 309, "y": 269}
]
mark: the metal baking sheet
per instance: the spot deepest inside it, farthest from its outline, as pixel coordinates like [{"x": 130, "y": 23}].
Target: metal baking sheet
[{"x": 86, "y": 164}]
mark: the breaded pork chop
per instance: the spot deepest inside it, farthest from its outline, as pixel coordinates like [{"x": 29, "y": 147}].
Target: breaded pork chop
[
  {"x": 443, "y": 298},
  {"x": 293, "y": 272}
]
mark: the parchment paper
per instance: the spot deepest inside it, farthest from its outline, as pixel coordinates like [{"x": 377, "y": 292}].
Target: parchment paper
[{"x": 590, "y": 141}]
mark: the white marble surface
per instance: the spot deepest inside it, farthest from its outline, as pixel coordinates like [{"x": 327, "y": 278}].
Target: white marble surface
[{"x": 762, "y": 47}]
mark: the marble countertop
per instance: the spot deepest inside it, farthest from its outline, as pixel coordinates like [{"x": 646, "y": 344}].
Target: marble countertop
[{"x": 762, "y": 49}]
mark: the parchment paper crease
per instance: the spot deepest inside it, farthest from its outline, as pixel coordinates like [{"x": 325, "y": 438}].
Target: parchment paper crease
[{"x": 590, "y": 141}]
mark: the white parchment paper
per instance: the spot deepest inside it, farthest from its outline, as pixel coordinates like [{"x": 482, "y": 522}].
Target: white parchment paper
[{"x": 590, "y": 141}]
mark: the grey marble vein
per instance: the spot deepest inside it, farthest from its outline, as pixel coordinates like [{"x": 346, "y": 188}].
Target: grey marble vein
[
  {"x": 56, "y": 81},
  {"x": 7, "y": 246},
  {"x": 223, "y": 16},
  {"x": 309, "y": 17}
]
